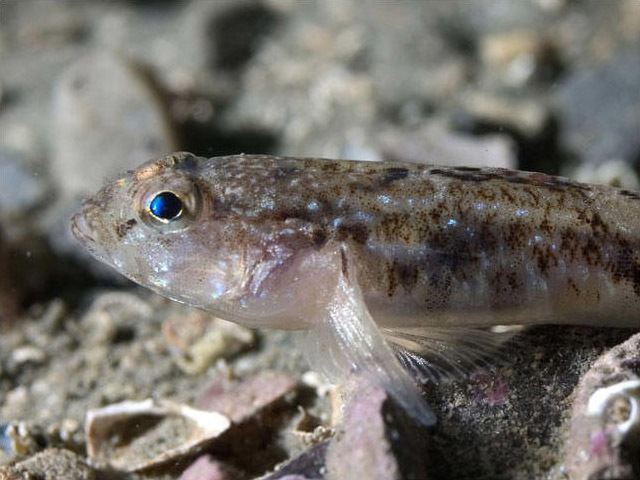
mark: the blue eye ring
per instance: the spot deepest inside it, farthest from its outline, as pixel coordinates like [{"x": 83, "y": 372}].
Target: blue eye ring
[{"x": 166, "y": 206}]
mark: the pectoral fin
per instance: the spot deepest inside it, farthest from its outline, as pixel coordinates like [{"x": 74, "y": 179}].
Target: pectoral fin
[{"x": 345, "y": 340}]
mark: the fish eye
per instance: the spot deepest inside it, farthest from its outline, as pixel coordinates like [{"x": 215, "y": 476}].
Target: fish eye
[{"x": 166, "y": 206}]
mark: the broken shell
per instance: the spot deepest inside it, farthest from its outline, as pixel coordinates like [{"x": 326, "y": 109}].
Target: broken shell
[
  {"x": 133, "y": 436},
  {"x": 604, "y": 397},
  {"x": 604, "y": 434}
]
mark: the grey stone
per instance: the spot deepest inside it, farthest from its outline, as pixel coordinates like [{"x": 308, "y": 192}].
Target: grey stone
[
  {"x": 434, "y": 144},
  {"x": 599, "y": 108},
  {"x": 307, "y": 466},
  {"x": 107, "y": 119},
  {"x": 20, "y": 190}
]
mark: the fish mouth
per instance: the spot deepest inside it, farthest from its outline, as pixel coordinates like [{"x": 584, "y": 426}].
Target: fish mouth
[{"x": 81, "y": 230}]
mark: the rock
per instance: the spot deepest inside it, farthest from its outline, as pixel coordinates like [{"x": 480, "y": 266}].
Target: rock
[
  {"x": 433, "y": 144},
  {"x": 50, "y": 464},
  {"x": 610, "y": 172},
  {"x": 53, "y": 27},
  {"x": 519, "y": 56},
  {"x": 113, "y": 317},
  {"x": 225, "y": 34},
  {"x": 323, "y": 83},
  {"x": 604, "y": 433},
  {"x": 527, "y": 117},
  {"x": 376, "y": 440},
  {"x": 208, "y": 468},
  {"x": 527, "y": 121},
  {"x": 197, "y": 339},
  {"x": 107, "y": 119},
  {"x": 307, "y": 466},
  {"x": 599, "y": 107},
  {"x": 243, "y": 400}
]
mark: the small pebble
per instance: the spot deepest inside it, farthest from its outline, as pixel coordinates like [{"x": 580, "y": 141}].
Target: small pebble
[
  {"x": 518, "y": 57},
  {"x": 616, "y": 173},
  {"x": 197, "y": 340},
  {"x": 27, "y": 354}
]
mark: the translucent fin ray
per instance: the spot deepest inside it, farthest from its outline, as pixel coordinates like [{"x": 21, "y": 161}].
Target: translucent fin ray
[
  {"x": 436, "y": 353},
  {"x": 345, "y": 340}
]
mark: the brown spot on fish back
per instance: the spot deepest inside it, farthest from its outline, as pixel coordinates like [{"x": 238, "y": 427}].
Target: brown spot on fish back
[
  {"x": 629, "y": 194},
  {"x": 507, "y": 194},
  {"x": 392, "y": 174},
  {"x": 286, "y": 171}
]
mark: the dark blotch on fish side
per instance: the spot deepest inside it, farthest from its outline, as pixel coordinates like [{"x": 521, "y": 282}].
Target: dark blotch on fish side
[
  {"x": 284, "y": 172},
  {"x": 319, "y": 238},
  {"x": 473, "y": 174},
  {"x": 359, "y": 233},
  {"x": 123, "y": 228}
]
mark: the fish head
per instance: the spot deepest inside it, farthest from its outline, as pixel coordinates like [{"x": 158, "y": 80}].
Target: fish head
[{"x": 168, "y": 227}]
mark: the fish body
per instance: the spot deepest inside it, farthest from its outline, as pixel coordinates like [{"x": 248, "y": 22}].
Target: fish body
[{"x": 289, "y": 243}]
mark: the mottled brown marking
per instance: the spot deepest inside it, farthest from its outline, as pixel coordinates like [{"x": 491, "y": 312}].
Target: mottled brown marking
[
  {"x": 357, "y": 232},
  {"x": 394, "y": 173},
  {"x": 286, "y": 171},
  {"x": 598, "y": 226},
  {"x": 344, "y": 263},
  {"x": 506, "y": 193},
  {"x": 319, "y": 238},
  {"x": 630, "y": 194},
  {"x": 407, "y": 275},
  {"x": 123, "y": 228},
  {"x": 392, "y": 281}
]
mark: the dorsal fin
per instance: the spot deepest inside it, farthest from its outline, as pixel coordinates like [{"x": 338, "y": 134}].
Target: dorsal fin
[{"x": 436, "y": 354}]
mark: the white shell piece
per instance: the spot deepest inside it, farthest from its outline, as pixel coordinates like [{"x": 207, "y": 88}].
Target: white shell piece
[
  {"x": 118, "y": 425},
  {"x": 602, "y": 398}
]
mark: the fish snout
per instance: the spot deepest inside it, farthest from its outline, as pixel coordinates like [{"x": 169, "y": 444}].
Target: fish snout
[{"x": 81, "y": 228}]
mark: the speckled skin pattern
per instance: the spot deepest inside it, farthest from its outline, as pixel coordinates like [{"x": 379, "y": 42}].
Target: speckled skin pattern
[{"x": 431, "y": 245}]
